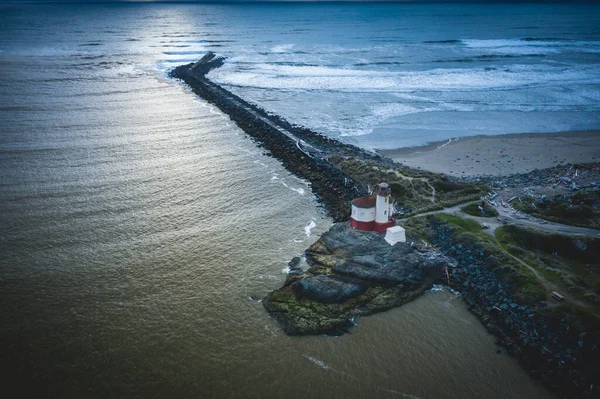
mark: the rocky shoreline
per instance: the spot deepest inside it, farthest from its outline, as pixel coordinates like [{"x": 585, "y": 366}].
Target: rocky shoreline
[
  {"x": 553, "y": 347},
  {"x": 356, "y": 274}
]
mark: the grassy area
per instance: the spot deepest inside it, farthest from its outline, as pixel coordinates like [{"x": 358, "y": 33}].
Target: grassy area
[
  {"x": 572, "y": 263},
  {"x": 480, "y": 209},
  {"x": 419, "y": 227},
  {"x": 463, "y": 225},
  {"x": 416, "y": 228},
  {"x": 559, "y": 259},
  {"x": 417, "y": 190},
  {"x": 579, "y": 209},
  {"x": 470, "y": 243}
]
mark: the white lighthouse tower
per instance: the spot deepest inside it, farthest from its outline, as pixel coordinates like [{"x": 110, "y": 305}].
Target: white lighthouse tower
[{"x": 382, "y": 204}]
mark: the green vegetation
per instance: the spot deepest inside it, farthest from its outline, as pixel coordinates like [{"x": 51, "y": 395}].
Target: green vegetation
[
  {"x": 469, "y": 232},
  {"x": 579, "y": 209},
  {"x": 419, "y": 227},
  {"x": 486, "y": 210},
  {"x": 463, "y": 225},
  {"x": 469, "y": 238},
  {"x": 572, "y": 263},
  {"x": 417, "y": 190}
]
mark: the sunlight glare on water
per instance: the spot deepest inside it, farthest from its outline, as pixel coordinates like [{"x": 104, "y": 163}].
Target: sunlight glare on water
[{"x": 140, "y": 227}]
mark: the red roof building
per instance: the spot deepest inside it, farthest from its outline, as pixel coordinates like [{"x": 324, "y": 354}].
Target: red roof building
[{"x": 373, "y": 212}]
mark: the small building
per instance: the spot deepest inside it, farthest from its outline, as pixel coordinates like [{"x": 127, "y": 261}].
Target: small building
[
  {"x": 373, "y": 212},
  {"x": 395, "y": 234}
]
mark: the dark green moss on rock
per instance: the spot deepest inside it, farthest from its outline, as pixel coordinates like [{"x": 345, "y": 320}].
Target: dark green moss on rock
[{"x": 352, "y": 273}]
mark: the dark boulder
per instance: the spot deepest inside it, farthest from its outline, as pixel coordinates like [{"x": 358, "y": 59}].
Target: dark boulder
[{"x": 328, "y": 289}]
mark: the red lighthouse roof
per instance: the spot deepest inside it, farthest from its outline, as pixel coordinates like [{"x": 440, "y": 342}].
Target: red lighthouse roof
[{"x": 367, "y": 201}]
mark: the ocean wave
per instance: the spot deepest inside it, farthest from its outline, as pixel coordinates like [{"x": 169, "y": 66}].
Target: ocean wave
[
  {"x": 178, "y": 61},
  {"x": 284, "y": 77},
  {"x": 316, "y": 361},
  {"x": 185, "y": 52},
  {"x": 450, "y": 41},
  {"x": 543, "y": 39},
  {"x": 385, "y": 111},
  {"x": 381, "y": 63},
  {"x": 201, "y": 41},
  {"x": 282, "y": 48},
  {"x": 529, "y": 45}
]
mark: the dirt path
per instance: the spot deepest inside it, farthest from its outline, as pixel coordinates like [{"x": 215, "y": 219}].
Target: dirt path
[
  {"x": 548, "y": 285},
  {"x": 410, "y": 179},
  {"x": 507, "y": 217}
]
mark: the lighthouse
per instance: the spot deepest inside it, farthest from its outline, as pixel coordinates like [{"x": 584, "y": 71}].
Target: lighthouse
[{"x": 373, "y": 212}]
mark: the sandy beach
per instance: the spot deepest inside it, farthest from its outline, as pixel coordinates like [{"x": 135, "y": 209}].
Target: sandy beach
[{"x": 501, "y": 155}]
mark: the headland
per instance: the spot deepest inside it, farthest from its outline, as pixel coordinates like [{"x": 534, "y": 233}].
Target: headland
[{"x": 507, "y": 244}]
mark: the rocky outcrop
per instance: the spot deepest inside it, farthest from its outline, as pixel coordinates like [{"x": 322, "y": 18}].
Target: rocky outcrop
[{"x": 352, "y": 274}]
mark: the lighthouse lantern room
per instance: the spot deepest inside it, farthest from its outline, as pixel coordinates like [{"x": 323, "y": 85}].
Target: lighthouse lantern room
[{"x": 373, "y": 212}]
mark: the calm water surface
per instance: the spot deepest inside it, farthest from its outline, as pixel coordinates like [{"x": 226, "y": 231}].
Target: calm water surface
[{"x": 139, "y": 229}]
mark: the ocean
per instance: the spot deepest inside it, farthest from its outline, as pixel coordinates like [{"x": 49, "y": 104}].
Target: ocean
[{"x": 139, "y": 227}]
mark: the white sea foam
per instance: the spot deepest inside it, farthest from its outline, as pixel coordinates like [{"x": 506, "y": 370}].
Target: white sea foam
[
  {"x": 437, "y": 288},
  {"x": 186, "y": 52},
  {"x": 530, "y": 47},
  {"x": 282, "y": 48},
  {"x": 393, "y": 109},
  {"x": 439, "y": 79},
  {"x": 494, "y": 43},
  {"x": 266, "y": 277},
  {"x": 316, "y": 361},
  {"x": 298, "y": 190},
  {"x": 309, "y": 227}
]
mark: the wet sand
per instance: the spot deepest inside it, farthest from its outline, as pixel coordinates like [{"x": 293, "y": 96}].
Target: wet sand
[{"x": 501, "y": 155}]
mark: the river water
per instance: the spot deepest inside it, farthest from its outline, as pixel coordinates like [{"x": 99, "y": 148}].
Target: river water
[{"x": 140, "y": 228}]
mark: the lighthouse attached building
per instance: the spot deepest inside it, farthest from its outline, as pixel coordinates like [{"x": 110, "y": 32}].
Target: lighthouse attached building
[{"x": 373, "y": 212}]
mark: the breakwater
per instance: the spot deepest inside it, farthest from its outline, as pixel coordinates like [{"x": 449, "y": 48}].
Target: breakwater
[{"x": 301, "y": 151}]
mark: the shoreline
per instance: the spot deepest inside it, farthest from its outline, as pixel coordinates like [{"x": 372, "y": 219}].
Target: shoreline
[{"x": 500, "y": 155}]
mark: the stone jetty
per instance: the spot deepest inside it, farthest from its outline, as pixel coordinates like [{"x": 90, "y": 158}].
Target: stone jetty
[{"x": 301, "y": 151}]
